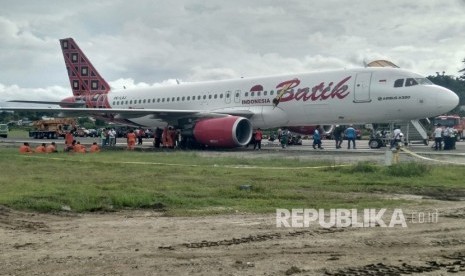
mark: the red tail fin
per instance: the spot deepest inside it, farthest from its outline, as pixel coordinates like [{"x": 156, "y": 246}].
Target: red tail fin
[{"x": 83, "y": 77}]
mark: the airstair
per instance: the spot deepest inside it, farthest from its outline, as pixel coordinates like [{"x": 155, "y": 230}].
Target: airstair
[{"x": 414, "y": 132}]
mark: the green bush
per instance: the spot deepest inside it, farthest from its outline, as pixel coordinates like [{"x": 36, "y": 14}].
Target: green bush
[
  {"x": 408, "y": 169},
  {"x": 363, "y": 167}
]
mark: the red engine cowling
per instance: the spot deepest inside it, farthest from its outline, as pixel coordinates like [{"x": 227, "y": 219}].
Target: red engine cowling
[{"x": 227, "y": 132}]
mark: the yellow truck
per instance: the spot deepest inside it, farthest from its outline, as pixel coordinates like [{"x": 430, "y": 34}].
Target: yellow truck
[{"x": 52, "y": 128}]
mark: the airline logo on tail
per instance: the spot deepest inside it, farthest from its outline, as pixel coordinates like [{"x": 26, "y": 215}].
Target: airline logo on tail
[{"x": 83, "y": 77}]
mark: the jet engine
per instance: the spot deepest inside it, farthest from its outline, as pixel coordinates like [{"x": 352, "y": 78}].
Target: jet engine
[{"x": 227, "y": 132}]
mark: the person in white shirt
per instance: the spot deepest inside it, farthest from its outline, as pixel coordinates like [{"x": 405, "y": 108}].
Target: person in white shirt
[
  {"x": 112, "y": 135},
  {"x": 396, "y": 137},
  {"x": 448, "y": 133},
  {"x": 438, "y": 137}
]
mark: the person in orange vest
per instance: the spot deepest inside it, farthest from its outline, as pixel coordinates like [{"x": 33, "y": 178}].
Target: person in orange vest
[
  {"x": 79, "y": 148},
  {"x": 170, "y": 138},
  {"x": 94, "y": 148},
  {"x": 25, "y": 149},
  {"x": 70, "y": 147},
  {"x": 258, "y": 139},
  {"x": 164, "y": 137},
  {"x": 131, "y": 140},
  {"x": 69, "y": 138},
  {"x": 51, "y": 148},
  {"x": 40, "y": 149}
]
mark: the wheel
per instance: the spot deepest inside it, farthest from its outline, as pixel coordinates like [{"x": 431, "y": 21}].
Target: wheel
[{"x": 374, "y": 144}]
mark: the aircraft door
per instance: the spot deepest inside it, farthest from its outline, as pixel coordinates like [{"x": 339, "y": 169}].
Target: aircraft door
[
  {"x": 362, "y": 88},
  {"x": 237, "y": 96},
  {"x": 227, "y": 97}
]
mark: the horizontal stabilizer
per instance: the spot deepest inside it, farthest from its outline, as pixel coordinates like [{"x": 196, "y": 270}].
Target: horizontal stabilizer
[{"x": 64, "y": 104}]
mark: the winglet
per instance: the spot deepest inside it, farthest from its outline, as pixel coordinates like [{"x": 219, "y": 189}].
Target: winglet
[{"x": 83, "y": 76}]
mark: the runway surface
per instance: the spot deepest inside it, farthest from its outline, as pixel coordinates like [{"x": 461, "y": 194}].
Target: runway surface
[{"x": 299, "y": 152}]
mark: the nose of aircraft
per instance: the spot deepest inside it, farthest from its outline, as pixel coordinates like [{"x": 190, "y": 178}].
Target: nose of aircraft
[{"x": 446, "y": 100}]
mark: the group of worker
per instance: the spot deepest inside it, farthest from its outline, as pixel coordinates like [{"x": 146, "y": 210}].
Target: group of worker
[
  {"x": 108, "y": 137},
  {"x": 166, "y": 138},
  {"x": 72, "y": 145},
  {"x": 444, "y": 136},
  {"x": 25, "y": 148},
  {"x": 75, "y": 146}
]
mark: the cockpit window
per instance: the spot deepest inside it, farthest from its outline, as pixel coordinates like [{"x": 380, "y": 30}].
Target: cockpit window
[
  {"x": 410, "y": 82},
  {"x": 399, "y": 83},
  {"x": 423, "y": 81}
]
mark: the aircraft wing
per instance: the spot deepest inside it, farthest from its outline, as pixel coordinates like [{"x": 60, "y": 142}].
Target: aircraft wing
[
  {"x": 164, "y": 114},
  {"x": 76, "y": 104}
]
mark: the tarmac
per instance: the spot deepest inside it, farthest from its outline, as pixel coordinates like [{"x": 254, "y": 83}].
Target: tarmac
[{"x": 414, "y": 152}]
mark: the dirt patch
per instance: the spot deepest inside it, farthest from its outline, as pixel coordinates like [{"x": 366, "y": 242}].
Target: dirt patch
[
  {"x": 10, "y": 219},
  {"x": 148, "y": 243}
]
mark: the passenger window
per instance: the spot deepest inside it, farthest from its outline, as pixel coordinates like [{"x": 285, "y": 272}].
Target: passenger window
[
  {"x": 140, "y": 101},
  {"x": 198, "y": 97},
  {"x": 130, "y": 102},
  {"x": 227, "y": 95},
  {"x": 271, "y": 93},
  {"x": 265, "y": 93},
  {"x": 188, "y": 98},
  {"x": 215, "y": 96},
  {"x": 204, "y": 97},
  {"x": 113, "y": 103},
  {"x": 399, "y": 83},
  {"x": 183, "y": 98},
  {"x": 158, "y": 100},
  {"x": 246, "y": 94},
  {"x": 209, "y": 97},
  {"x": 126, "y": 102},
  {"x": 144, "y": 100},
  {"x": 221, "y": 96},
  {"x": 177, "y": 99},
  {"x": 410, "y": 82},
  {"x": 167, "y": 99},
  {"x": 258, "y": 94},
  {"x": 163, "y": 100},
  {"x": 172, "y": 99},
  {"x": 252, "y": 94}
]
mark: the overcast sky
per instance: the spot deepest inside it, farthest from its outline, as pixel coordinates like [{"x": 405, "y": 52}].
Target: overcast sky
[{"x": 149, "y": 42}]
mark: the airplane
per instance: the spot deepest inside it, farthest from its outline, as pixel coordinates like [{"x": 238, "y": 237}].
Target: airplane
[{"x": 224, "y": 113}]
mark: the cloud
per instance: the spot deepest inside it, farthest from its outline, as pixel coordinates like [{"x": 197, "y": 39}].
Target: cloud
[
  {"x": 14, "y": 92},
  {"x": 154, "y": 41}
]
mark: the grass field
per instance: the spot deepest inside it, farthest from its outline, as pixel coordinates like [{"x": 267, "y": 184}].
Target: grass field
[
  {"x": 18, "y": 133},
  {"x": 184, "y": 183}
]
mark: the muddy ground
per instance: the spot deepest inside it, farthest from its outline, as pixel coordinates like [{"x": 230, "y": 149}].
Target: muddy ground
[{"x": 148, "y": 243}]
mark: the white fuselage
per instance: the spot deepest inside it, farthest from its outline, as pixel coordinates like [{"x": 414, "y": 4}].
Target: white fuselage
[{"x": 363, "y": 95}]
